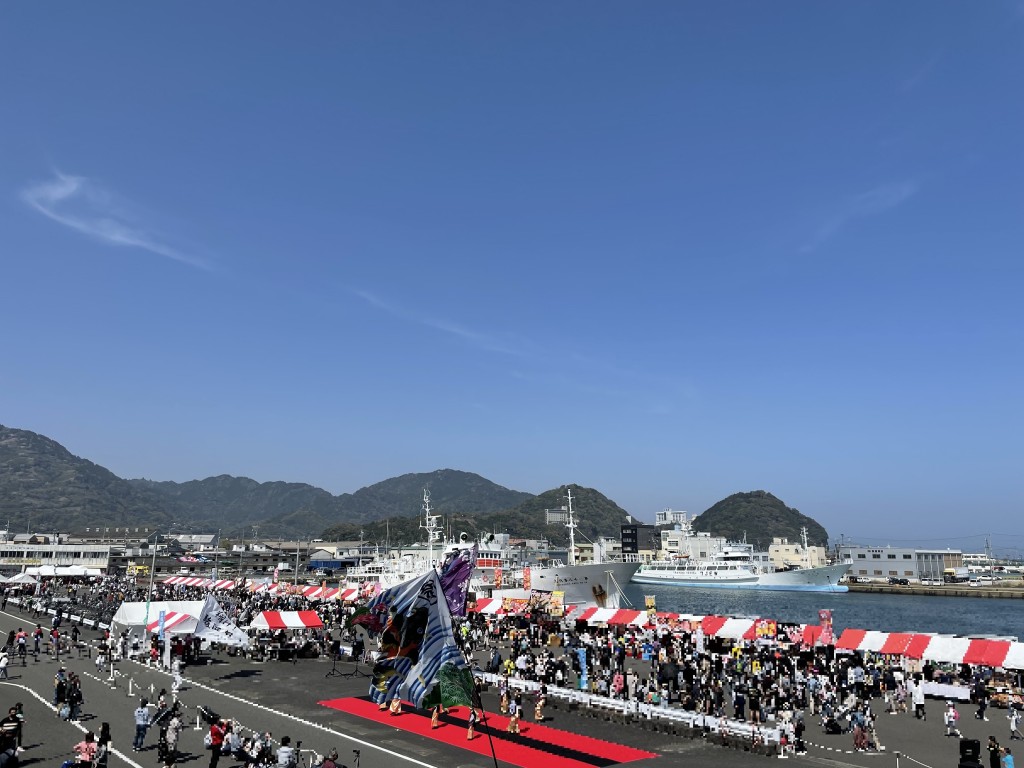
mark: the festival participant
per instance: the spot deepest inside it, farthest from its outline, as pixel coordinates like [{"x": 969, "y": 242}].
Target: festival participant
[
  {"x": 513, "y": 714},
  {"x": 470, "y": 734}
]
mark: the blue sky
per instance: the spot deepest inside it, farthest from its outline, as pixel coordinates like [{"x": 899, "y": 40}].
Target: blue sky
[{"x": 667, "y": 250}]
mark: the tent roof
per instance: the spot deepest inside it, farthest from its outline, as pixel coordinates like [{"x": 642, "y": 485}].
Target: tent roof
[{"x": 287, "y": 620}]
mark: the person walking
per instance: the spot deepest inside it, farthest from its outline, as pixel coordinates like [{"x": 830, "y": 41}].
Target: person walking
[
  {"x": 103, "y": 744},
  {"x": 951, "y": 718},
  {"x": 917, "y": 697},
  {"x": 470, "y": 731},
  {"x": 217, "y": 732},
  {"x": 1006, "y": 761},
  {"x": 141, "y": 725},
  {"x": 1014, "y": 718},
  {"x": 4, "y": 661}
]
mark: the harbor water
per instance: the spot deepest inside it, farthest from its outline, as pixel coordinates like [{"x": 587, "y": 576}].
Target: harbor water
[{"x": 859, "y": 610}]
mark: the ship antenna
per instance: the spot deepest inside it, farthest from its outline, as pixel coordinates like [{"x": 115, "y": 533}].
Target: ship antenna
[{"x": 571, "y": 525}]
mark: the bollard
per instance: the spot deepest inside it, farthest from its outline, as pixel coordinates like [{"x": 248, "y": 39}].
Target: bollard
[{"x": 131, "y": 682}]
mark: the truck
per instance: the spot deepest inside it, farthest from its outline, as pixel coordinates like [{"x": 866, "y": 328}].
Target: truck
[{"x": 956, "y": 575}]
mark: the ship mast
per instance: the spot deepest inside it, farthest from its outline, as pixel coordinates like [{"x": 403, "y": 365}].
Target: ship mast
[
  {"x": 806, "y": 553},
  {"x": 431, "y": 526},
  {"x": 571, "y": 525}
]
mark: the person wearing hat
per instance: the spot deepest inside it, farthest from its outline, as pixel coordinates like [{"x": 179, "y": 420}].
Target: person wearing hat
[
  {"x": 331, "y": 761},
  {"x": 951, "y": 718}
]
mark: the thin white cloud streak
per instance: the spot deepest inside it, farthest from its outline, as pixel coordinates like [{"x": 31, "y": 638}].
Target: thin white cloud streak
[
  {"x": 80, "y": 204},
  {"x": 878, "y": 200},
  {"x": 479, "y": 340}
]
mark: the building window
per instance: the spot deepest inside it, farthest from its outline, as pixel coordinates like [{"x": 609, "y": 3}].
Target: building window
[
  {"x": 907, "y": 557},
  {"x": 861, "y": 556},
  {"x": 878, "y": 573},
  {"x": 891, "y": 557},
  {"x": 876, "y": 556}
]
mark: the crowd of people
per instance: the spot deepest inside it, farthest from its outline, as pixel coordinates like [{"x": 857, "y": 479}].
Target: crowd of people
[
  {"x": 668, "y": 666},
  {"x": 750, "y": 681}
]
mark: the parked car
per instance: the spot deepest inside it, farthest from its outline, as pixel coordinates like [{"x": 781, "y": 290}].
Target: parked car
[{"x": 899, "y": 582}]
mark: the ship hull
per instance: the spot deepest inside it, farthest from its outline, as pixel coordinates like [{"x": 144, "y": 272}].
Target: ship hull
[
  {"x": 588, "y": 584},
  {"x": 824, "y": 579}
]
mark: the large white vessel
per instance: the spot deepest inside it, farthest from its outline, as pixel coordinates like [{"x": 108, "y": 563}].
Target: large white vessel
[
  {"x": 599, "y": 582},
  {"x": 738, "y": 567}
]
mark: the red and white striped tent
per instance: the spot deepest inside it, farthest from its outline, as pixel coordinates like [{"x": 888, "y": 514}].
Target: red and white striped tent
[
  {"x": 287, "y": 620},
  {"x": 175, "y": 623},
  {"x": 197, "y": 581},
  {"x": 941, "y": 648}
]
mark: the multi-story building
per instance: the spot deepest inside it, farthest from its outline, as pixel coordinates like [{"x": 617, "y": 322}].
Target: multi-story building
[{"x": 900, "y": 562}]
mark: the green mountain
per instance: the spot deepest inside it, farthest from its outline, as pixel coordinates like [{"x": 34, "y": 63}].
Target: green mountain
[
  {"x": 758, "y": 516},
  {"x": 43, "y": 486},
  {"x": 596, "y": 515}
]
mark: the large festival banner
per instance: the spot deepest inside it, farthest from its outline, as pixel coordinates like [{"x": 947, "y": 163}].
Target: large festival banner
[
  {"x": 526, "y": 578},
  {"x": 825, "y": 619},
  {"x": 417, "y": 647},
  {"x": 651, "y": 604},
  {"x": 584, "y": 680},
  {"x": 497, "y": 577}
]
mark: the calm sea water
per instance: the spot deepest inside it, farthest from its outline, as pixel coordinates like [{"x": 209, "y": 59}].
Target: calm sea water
[{"x": 860, "y": 610}]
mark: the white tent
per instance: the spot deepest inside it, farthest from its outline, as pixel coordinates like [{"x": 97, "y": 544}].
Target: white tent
[
  {"x": 202, "y": 618},
  {"x": 22, "y": 578}
]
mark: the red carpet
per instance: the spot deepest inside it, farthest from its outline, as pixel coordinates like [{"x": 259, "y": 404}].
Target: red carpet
[{"x": 535, "y": 745}]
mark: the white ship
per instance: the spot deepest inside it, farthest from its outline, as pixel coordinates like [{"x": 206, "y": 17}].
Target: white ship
[
  {"x": 598, "y": 582},
  {"x": 737, "y": 567}
]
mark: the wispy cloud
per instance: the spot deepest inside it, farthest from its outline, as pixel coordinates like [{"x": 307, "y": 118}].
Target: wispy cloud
[
  {"x": 873, "y": 202},
  {"x": 477, "y": 339},
  {"x": 86, "y": 207}
]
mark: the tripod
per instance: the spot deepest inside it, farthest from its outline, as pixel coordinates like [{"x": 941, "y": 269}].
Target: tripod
[
  {"x": 335, "y": 672},
  {"x": 354, "y": 672}
]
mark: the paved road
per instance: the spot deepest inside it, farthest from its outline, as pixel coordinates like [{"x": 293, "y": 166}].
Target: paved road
[{"x": 282, "y": 697}]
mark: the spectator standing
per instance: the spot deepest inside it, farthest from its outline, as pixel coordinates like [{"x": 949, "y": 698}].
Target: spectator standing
[
  {"x": 994, "y": 752},
  {"x": 981, "y": 699},
  {"x": 141, "y": 725},
  {"x": 286, "y": 755},
  {"x": 85, "y": 750},
  {"x": 173, "y": 732}
]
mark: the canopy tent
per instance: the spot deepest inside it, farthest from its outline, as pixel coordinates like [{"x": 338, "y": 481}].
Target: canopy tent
[
  {"x": 287, "y": 620},
  {"x": 22, "y": 578},
  {"x": 202, "y": 618},
  {"x": 63, "y": 570}
]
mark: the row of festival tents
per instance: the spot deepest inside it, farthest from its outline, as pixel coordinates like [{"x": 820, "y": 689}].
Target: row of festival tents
[
  {"x": 1008, "y": 654},
  {"x": 203, "y": 618},
  {"x": 312, "y": 592}
]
